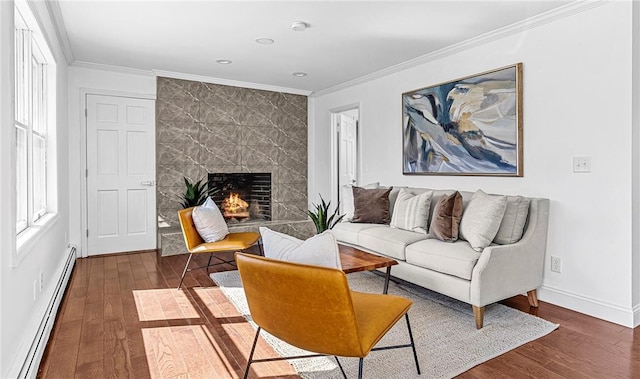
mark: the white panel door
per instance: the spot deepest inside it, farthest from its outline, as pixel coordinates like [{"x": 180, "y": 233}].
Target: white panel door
[
  {"x": 348, "y": 153},
  {"x": 121, "y": 171}
]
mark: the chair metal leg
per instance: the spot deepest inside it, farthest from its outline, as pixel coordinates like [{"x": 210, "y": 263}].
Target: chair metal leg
[
  {"x": 341, "y": 369},
  {"x": 253, "y": 348},
  {"x": 209, "y": 263},
  {"x": 185, "y": 270},
  {"x": 360, "y": 368},
  {"x": 413, "y": 346}
]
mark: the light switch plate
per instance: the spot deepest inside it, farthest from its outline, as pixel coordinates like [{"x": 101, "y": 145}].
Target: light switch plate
[{"x": 582, "y": 164}]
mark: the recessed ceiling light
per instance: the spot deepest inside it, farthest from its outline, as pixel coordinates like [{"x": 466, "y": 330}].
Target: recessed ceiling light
[
  {"x": 299, "y": 26},
  {"x": 223, "y": 61},
  {"x": 299, "y": 74},
  {"x": 265, "y": 41}
]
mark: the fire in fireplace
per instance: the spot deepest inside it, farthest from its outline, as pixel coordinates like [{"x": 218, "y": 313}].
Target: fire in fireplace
[
  {"x": 235, "y": 207},
  {"x": 242, "y": 197}
]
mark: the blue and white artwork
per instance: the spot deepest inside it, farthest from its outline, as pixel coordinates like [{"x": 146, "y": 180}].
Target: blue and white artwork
[{"x": 470, "y": 126}]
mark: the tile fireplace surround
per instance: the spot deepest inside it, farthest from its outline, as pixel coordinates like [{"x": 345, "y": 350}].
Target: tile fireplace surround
[{"x": 203, "y": 128}]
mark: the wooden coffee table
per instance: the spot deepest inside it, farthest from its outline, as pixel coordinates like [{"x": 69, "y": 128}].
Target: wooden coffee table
[{"x": 356, "y": 260}]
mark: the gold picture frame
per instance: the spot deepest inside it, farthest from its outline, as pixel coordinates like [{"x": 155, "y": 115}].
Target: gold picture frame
[{"x": 468, "y": 126}]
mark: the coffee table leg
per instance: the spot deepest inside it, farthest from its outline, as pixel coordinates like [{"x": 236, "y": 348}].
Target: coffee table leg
[{"x": 386, "y": 280}]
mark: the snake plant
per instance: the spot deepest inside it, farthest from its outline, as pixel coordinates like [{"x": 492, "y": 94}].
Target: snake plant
[
  {"x": 196, "y": 193},
  {"x": 321, "y": 217}
]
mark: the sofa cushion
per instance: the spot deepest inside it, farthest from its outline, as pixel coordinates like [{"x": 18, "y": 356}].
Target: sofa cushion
[
  {"x": 457, "y": 259},
  {"x": 411, "y": 211},
  {"x": 371, "y": 205},
  {"x": 515, "y": 217},
  {"x": 348, "y": 232},
  {"x": 481, "y": 219},
  {"x": 388, "y": 241},
  {"x": 446, "y": 218}
]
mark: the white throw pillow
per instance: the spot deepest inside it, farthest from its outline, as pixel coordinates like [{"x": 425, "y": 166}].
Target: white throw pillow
[
  {"x": 319, "y": 250},
  {"x": 346, "y": 200},
  {"x": 411, "y": 211},
  {"x": 209, "y": 221},
  {"x": 515, "y": 216},
  {"x": 481, "y": 219}
]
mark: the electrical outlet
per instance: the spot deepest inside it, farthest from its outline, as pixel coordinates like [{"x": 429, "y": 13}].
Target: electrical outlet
[
  {"x": 556, "y": 264},
  {"x": 41, "y": 280}
]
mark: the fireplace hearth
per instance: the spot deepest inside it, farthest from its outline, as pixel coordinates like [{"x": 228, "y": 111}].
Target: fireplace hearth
[{"x": 242, "y": 197}]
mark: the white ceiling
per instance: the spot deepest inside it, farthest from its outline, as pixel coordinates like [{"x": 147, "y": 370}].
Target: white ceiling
[{"x": 346, "y": 40}]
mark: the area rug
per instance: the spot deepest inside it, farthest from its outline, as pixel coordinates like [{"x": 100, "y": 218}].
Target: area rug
[{"x": 447, "y": 341}]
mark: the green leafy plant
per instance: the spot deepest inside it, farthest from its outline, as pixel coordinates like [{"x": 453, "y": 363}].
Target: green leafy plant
[
  {"x": 321, "y": 217},
  {"x": 196, "y": 193}
]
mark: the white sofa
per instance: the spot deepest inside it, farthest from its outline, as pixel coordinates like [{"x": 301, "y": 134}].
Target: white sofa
[{"x": 455, "y": 269}]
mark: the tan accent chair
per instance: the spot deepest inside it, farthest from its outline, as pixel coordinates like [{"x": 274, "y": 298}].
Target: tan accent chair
[
  {"x": 196, "y": 245},
  {"x": 312, "y": 308}
]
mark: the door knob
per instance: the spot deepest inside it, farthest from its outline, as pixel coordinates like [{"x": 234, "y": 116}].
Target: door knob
[{"x": 149, "y": 183}]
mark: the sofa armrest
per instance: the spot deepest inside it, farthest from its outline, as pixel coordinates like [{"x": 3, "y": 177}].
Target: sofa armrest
[{"x": 503, "y": 271}]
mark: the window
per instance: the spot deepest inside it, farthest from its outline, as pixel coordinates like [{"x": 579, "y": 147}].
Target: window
[{"x": 33, "y": 121}]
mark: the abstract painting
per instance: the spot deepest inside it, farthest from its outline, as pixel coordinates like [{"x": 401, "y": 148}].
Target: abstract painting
[{"x": 469, "y": 126}]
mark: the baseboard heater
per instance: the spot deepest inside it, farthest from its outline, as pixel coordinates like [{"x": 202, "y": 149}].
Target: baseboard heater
[{"x": 36, "y": 351}]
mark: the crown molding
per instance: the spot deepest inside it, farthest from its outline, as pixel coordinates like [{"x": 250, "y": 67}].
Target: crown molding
[
  {"x": 108, "y": 67},
  {"x": 229, "y": 82},
  {"x": 53, "y": 7},
  {"x": 518, "y": 27},
  {"x": 183, "y": 76}
]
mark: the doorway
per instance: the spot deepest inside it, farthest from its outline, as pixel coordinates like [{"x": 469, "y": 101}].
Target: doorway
[
  {"x": 121, "y": 197},
  {"x": 346, "y": 136}
]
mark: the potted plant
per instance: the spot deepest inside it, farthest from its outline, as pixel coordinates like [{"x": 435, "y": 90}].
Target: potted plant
[
  {"x": 321, "y": 217},
  {"x": 196, "y": 193}
]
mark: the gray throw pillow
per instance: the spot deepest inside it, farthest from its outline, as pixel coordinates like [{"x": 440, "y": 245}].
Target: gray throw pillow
[
  {"x": 481, "y": 219},
  {"x": 209, "y": 221},
  {"x": 411, "y": 211},
  {"x": 512, "y": 225},
  {"x": 320, "y": 250}
]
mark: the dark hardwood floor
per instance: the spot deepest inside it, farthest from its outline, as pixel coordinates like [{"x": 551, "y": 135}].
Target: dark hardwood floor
[{"x": 123, "y": 317}]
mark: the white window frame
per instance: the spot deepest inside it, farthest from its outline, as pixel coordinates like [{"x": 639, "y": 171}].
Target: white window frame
[{"x": 35, "y": 114}]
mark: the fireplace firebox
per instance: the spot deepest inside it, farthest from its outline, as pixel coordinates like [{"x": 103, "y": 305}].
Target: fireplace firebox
[{"x": 242, "y": 197}]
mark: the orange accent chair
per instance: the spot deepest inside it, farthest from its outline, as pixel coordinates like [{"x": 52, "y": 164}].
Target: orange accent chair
[
  {"x": 195, "y": 245},
  {"x": 312, "y": 308}
]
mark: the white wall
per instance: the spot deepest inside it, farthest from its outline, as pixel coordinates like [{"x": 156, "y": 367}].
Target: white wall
[
  {"x": 83, "y": 81},
  {"x": 577, "y": 101},
  {"x": 635, "y": 79},
  {"x": 20, "y": 314}
]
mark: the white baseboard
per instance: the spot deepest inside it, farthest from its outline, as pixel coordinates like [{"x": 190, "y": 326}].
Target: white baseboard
[
  {"x": 31, "y": 350},
  {"x": 593, "y": 307}
]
